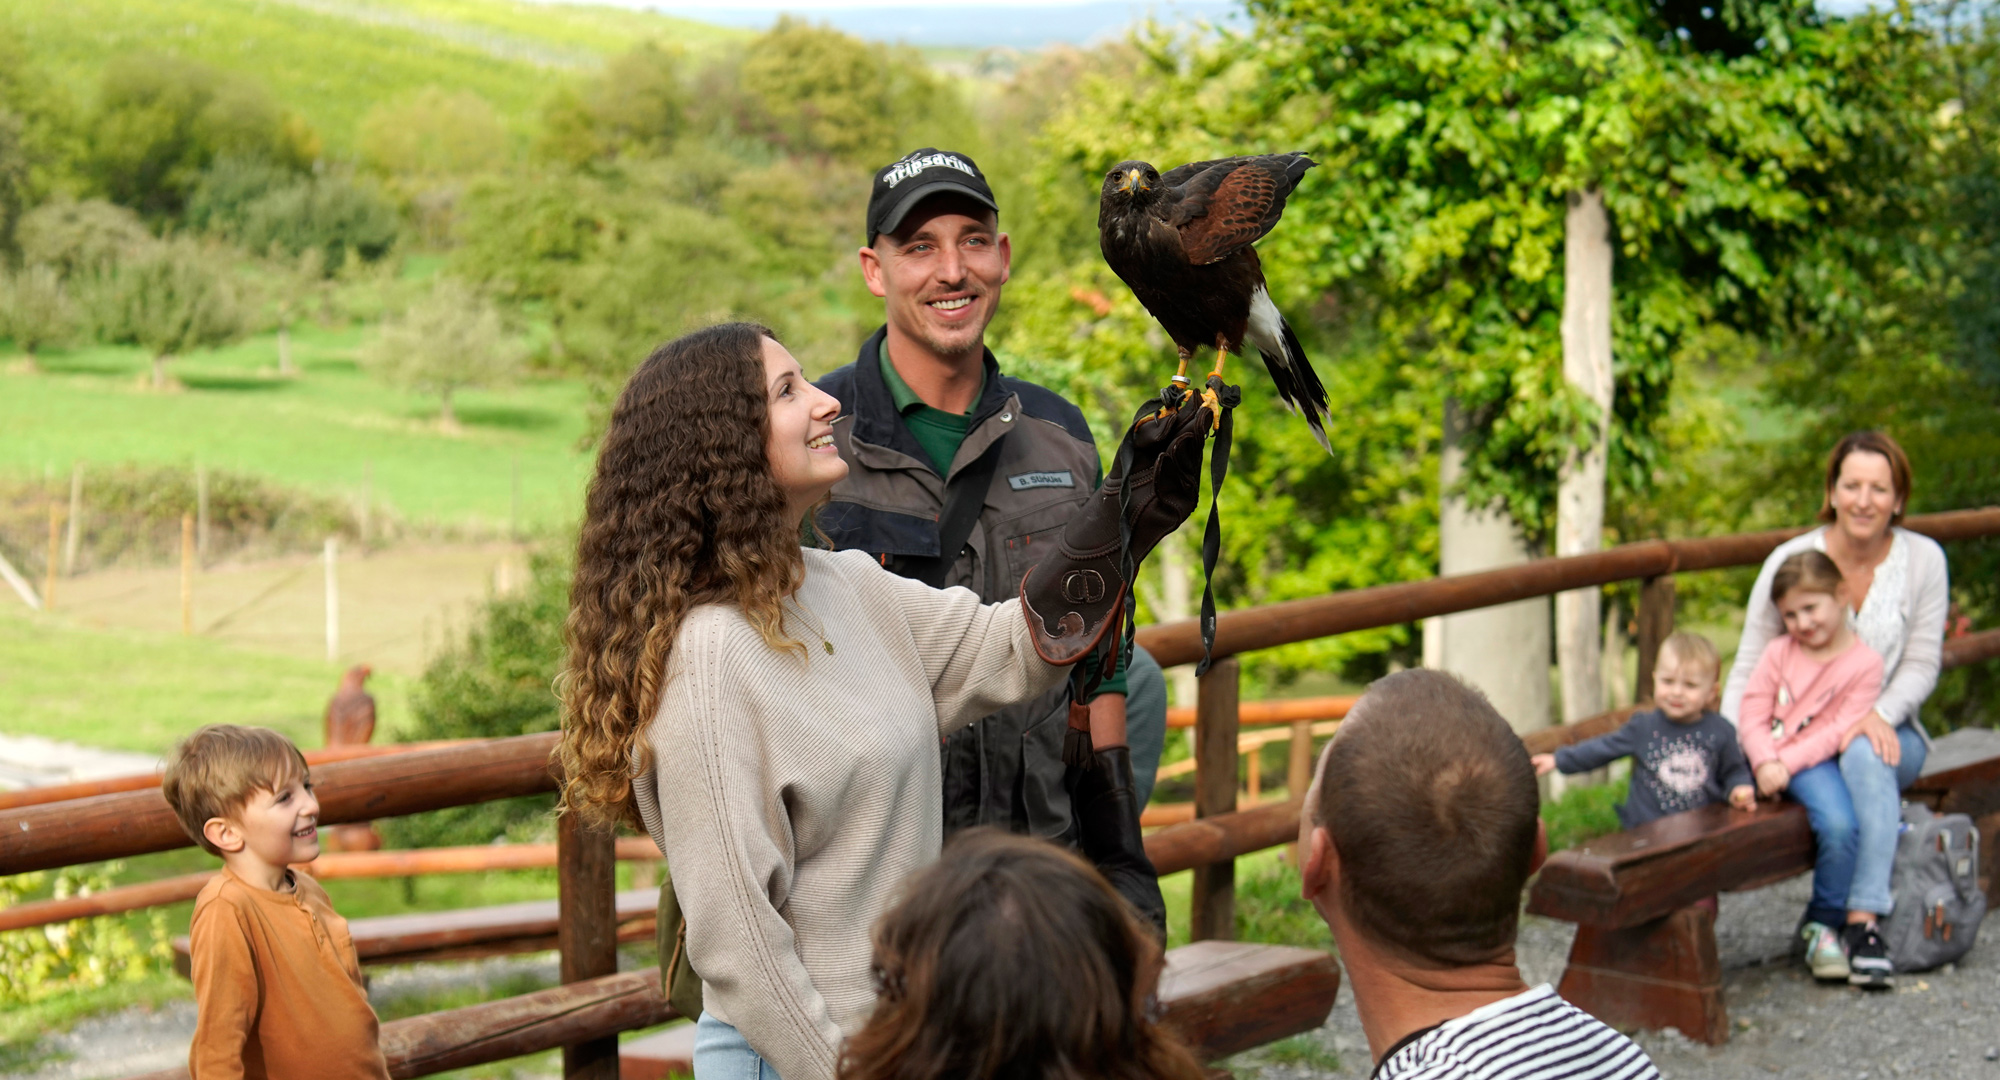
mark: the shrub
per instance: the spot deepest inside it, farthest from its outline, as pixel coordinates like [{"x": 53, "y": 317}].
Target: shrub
[
  {"x": 35, "y": 310},
  {"x": 82, "y": 954},
  {"x": 81, "y": 237},
  {"x": 334, "y": 215},
  {"x": 132, "y": 516},
  {"x": 499, "y": 681}
]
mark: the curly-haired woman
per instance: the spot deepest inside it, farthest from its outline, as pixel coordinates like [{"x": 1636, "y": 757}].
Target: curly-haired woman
[
  {"x": 1011, "y": 959},
  {"x": 1899, "y": 587},
  {"x": 771, "y": 713}
]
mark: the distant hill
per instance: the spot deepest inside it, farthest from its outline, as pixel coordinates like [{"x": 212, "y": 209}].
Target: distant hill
[{"x": 331, "y": 60}]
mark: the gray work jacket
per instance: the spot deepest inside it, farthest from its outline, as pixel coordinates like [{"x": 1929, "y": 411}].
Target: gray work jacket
[{"x": 1005, "y": 770}]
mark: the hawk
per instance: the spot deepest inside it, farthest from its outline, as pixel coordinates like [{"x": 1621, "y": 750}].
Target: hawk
[{"x": 1181, "y": 242}]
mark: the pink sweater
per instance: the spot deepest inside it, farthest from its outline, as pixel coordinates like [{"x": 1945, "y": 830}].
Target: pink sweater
[{"x": 1796, "y": 709}]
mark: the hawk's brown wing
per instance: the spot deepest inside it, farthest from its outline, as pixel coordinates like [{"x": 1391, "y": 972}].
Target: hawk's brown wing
[{"x": 1232, "y": 203}]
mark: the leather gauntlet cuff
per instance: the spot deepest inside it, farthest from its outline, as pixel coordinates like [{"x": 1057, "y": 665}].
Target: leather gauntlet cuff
[{"x": 1107, "y": 811}]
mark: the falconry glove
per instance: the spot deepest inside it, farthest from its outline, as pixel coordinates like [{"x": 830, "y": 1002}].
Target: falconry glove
[{"x": 1076, "y": 592}]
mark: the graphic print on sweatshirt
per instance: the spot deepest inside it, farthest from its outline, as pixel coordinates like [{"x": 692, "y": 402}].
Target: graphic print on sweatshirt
[{"x": 1680, "y": 766}]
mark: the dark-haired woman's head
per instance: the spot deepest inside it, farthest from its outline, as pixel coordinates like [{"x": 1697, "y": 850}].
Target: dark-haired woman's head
[
  {"x": 1011, "y": 959},
  {"x": 715, "y": 450},
  {"x": 1867, "y": 485}
]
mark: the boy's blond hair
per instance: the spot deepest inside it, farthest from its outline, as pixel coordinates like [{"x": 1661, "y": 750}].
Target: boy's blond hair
[
  {"x": 1690, "y": 649},
  {"x": 213, "y": 772}
]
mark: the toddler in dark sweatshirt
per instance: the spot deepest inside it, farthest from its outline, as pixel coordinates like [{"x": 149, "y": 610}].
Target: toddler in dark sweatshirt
[{"x": 1684, "y": 754}]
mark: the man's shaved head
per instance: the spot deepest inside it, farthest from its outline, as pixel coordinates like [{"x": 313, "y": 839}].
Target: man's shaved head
[{"x": 1431, "y": 804}]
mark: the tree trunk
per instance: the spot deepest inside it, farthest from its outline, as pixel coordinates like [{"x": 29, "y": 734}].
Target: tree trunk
[
  {"x": 285, "y": 349},
  {"x": 1504, "y": 650},
  {"x": 1586, "y": 341},
  {"x": 160, "y": 371},
  {"x": 447, "y": 418}
]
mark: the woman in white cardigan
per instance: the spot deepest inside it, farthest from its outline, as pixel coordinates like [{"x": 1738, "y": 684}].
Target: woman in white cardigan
[
  {"x": 1899, "y": 585},
  {"x": 771, "y": 714}
]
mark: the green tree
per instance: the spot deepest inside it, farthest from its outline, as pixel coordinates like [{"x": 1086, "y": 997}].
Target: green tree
[
  {"x": 35, "y": 309},
  {"x": 81, "y": 237},
  {"x": 337, "y": 216},
  {"x": 160, "y": 121},
  {"x": 819, "y": 91},
  {"x": 637, "y": 105},
  {"x": 432, "y": 135},
  {"x": 170, "y": 299},
  {"x": 450, "y": 339}
]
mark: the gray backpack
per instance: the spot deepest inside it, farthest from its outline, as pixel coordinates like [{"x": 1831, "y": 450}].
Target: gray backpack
[{"x": 1936, "y": 888}]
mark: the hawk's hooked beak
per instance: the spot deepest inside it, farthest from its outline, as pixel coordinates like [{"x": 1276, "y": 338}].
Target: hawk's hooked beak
[{"x": 1134, "y": 181}]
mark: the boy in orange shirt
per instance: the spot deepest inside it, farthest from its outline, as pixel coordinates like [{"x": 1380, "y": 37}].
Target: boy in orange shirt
[{"x": 277, "y": 983}]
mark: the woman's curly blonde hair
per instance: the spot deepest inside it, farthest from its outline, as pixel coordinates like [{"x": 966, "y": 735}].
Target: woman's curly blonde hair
[{"x": 683, "y": 510}]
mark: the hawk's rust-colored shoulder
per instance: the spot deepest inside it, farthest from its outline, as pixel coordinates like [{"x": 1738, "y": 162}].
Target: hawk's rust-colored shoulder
[{"x": 1226, "y": 205}]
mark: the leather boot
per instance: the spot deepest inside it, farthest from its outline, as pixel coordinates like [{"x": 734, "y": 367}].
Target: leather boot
[{"x": 1107, "y": 814}]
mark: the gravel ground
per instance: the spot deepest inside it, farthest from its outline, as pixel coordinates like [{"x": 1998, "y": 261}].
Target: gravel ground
[
  {"x": 1942, "y": 1024},
  {"x": 143, "y": 1040}
]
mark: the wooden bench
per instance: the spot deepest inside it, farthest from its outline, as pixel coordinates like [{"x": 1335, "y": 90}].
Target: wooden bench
[
  {"x": 1645, "y": 956},
  {"x": 470, "y": 933},
  {"x": 1223, "y": 997}
]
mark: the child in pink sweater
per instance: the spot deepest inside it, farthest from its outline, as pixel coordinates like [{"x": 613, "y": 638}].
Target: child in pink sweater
[{"x": 1809, "y": 687}]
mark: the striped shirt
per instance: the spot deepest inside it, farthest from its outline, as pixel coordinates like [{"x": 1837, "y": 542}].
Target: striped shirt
[{"x": 1530, "y": 1036}]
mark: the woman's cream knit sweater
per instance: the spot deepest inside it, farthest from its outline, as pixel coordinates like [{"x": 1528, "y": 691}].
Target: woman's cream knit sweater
[{"x": 793, "y": 796}]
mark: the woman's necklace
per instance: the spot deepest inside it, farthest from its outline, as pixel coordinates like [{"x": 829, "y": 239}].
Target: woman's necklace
[{"x": 811, "y": 624}]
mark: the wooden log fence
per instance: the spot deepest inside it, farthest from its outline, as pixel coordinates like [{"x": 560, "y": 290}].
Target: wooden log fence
[
  {"x": 585, "y": 1014},
  {"x": 1652, "y": 562},
  {"x": 83, "y": 789},
  {"x": 124, "y": 824},
  {"x": 331, "y": 866}
]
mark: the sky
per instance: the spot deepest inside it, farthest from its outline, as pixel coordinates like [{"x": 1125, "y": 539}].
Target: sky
[{"x": 1020, "y": 24}]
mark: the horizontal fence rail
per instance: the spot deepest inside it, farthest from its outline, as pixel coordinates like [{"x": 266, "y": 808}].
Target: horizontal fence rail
[
  {"x": 1271, "y": 625},
  {"x": 84, "y": 789},
  {"x": 389, "y": 785},
  {"x": 332, "y": 866}
]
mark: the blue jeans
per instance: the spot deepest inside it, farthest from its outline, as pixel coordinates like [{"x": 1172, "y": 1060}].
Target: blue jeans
[
  {"x": 1852, "y": 802},
  {"x": 722, "y": 1053}
]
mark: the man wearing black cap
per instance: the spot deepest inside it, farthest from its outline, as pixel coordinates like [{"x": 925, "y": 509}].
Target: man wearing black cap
[{"x": 959, "y": 475}]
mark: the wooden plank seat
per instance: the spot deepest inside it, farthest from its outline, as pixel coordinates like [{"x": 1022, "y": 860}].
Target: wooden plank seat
[
  {"x": 468, "y": 933},
  {"x": 1223, "y": 997},
  {"x": 1645, "y": 953}
]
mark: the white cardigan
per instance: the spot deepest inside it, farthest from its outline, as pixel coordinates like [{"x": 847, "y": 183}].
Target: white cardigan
[
  {"x": 1926, "y": 600},
  {"x": 792, "y": 797}
]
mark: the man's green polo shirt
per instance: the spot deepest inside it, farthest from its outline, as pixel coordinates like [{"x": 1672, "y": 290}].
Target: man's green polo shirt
[{"x": 941, "y": 433}]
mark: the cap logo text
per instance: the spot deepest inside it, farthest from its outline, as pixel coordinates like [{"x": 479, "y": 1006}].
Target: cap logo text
[{"x": 908, "y": 167}]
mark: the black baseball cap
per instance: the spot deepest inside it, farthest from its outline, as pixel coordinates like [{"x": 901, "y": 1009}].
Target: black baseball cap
[{"x": 902, "y": 184}]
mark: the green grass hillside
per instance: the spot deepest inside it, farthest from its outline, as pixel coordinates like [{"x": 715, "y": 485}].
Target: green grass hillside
[
  {"x": 332, "y": 60},
  {"x": 324, "y": 431}
]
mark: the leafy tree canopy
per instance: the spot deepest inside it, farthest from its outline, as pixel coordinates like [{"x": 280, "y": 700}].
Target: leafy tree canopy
[
  {"x": 819, "y": 91},
  {"x": 433, "y": 134},
  {"x": 160, "y": 121}
]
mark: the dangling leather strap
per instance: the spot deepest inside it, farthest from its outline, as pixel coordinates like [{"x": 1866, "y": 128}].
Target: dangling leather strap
[{"x": 1211, "y": 539}]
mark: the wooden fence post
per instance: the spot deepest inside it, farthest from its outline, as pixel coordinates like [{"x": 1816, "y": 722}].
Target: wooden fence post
[
  {"x": 1213, "y": 910},
  {"x": 55, "y": 550},
  {"x": 1656, "y": 622},
  {"x": 1299, "y": 772},
  {"x": 187, "y": 574},
  {"x": 587, "y": 929},
  {"x": 75, "y": 519}
]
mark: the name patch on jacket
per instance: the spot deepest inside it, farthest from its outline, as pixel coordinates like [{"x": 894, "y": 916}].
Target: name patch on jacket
[{"x": 1031, "y": 480}]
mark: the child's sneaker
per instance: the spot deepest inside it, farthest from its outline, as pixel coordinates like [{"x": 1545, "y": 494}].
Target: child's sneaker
[
  {"x": 1868, "y": 958},
  {"x": 1824, "y": 954}
]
